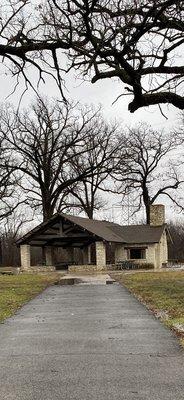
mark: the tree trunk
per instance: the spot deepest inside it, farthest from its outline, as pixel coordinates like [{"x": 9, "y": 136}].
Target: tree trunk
[
  {"x": 89, "y": 213},
  {"x": 146, "y": 200},
  {"x": 147, "y": 206},
  {"x": 47, "y": 209}
]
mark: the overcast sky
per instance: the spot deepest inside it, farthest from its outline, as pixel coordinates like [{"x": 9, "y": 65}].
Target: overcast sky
[{"x": 103, "y": 92}]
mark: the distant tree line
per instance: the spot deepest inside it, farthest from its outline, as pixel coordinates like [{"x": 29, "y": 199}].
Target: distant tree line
[{"x": 176, "y": 241}]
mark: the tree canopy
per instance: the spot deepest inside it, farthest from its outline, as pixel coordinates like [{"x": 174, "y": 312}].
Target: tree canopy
[
  {"x": 56, "y": 146},
  {"x": 140, "y": 42},
  {"x": 149, "y": 167}
]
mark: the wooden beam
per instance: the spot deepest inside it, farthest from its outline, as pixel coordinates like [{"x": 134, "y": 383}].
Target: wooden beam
[
  {"x": 60, "y": 228},
  {"x": 61, "y": 238}
]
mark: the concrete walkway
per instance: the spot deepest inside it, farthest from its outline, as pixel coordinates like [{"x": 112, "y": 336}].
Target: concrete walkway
[{"x": 88, "y": 342}]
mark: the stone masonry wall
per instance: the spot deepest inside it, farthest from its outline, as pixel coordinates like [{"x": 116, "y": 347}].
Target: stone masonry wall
[
  {"x": 162, "y": 251},
  {"x": 36, "y": 269},
  {"x": 25, "y": 256},
  {"x": 122, "y": 254},
  {"x": 100, "y": 253},
  {"x": 85, "y": 268},
  {"x": 157, "y": 215}
]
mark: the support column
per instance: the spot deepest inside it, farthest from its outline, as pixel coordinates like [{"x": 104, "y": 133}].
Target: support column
[
  {"x": 25, "y": 256},
  {"x": 86, "y": 255},
  {"x": 100, "y": 254},
  {"x": 89, "y": 254},
  {"x": 48, "y": 256}
]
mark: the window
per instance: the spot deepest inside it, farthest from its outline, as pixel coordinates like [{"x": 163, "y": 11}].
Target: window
[{"x": 135, "y": 254}]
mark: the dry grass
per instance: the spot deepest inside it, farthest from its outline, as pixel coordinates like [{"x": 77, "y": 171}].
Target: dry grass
[
  {"x": 162, "y": 292},
  {"x": 15, "y": 290}
]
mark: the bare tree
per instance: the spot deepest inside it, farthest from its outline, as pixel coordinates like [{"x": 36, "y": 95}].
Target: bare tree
[
  {"x": 9, "y": 179},
  {"x": 149, "y": 167},
  {"x": 48, "y": 141},
  {"x": 101, "y": 150},
  {"x": 175, "y": 244},
  {"x": 11, "y": 228},
  {"x": 139, "y": 42}
]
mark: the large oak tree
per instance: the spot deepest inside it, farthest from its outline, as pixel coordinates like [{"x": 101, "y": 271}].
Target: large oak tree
[
  {"x": 149, "y": 167},
  {"x": 101, "y": 150},
  {"x": 140, "y": 42},
  {"x": 50, "y": 142}
]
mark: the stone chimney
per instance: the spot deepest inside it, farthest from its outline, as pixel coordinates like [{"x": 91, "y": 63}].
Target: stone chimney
[{"x": 157, "y": 214}]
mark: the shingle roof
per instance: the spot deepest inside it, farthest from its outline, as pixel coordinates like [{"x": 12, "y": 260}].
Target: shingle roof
[
  {"x": 105, "y": 230},
  {"x": 139, "y": 233},
  {"x": 113, "y": 232}
]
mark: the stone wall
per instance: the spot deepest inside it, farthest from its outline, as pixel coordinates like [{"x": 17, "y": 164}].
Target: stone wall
[
  {"x": 120, "y": 253},
  {"x": 157, "y": 214},
  {"x": 25, "y": 256},
  {"x": 156, "y": 253},
  {"x": 161, "y": 251},
  {"x": 38, "y": 268},
  {"x": 164, "y": 248},
  {"x": 85, "y": 268},
  {"x": 100, "y": 254}
]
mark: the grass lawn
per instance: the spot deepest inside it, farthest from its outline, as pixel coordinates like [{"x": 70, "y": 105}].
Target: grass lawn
[
  {"x": 15, "y": 290},
  {"x": 162, "y": 292}
]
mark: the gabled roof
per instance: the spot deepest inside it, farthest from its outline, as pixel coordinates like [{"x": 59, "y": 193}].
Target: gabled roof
[
  {"x": 83, "y": 228},
  {"x": 112, "y": 232}
]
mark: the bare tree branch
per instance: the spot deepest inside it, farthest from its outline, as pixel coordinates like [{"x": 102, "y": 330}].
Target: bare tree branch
[
  {"x": 139, "y": 42},
  {"x": 145, "y": 168},
  {"x": 53, "y": 145}
]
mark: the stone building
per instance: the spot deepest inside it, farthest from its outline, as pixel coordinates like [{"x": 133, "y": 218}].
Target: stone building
[{"x": 138, "y": 243}]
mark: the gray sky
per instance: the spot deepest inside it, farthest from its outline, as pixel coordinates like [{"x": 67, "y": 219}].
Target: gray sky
[{"x": 103, "y": 92}]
